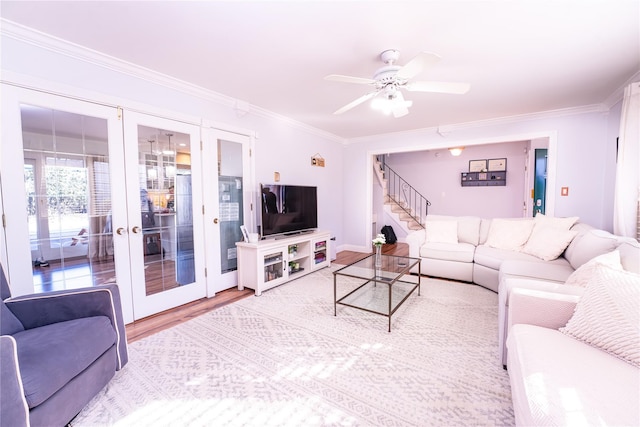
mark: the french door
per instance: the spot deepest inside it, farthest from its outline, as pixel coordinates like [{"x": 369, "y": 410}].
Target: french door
[
  {"x": 98, "y": 195},
  {"x": 164, "y": 219},
  {"x": 228, "y": 197},
  {"x": 61, "y": 174}
]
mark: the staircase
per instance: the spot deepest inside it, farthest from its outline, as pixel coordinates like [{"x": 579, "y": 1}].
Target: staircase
[{"x": 402, "y": 202}]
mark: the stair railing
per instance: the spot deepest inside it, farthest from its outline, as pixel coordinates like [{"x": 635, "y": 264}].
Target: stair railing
[{"x": 404, "y": 194}]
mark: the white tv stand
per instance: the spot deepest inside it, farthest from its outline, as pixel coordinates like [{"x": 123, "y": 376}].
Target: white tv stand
[{"x": 272, "y": 262}]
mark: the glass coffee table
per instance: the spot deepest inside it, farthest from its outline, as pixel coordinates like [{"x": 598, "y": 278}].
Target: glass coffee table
[{"x": 378, "y": 290}]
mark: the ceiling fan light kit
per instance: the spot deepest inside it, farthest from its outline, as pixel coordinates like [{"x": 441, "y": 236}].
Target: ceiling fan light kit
[
  {"x": 390, "y": 79},
  {"x": 456, "y": 151},
  {"x": 392, "y": 104}
]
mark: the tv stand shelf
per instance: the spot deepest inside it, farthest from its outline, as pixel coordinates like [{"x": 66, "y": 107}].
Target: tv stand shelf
[{"x": 272, "y": 262}]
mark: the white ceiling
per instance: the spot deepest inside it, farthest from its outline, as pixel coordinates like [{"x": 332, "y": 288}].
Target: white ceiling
[{"x": 520, "y": 56}]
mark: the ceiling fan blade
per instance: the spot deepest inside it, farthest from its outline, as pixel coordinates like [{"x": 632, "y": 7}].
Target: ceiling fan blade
[
  {"x": 417, "y": 64},
  {"x": 349, "y": 79},
  {"x": 400, "y": 106},
  {"x": 441, "y": 87},
  {"x": 356, "y": 102},
  {"x": 400, "y": 111}
]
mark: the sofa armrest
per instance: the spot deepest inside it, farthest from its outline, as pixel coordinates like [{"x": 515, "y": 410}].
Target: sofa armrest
[
  {"x": 540, "y": 308},
  {"x": 13, "y": 405},
  {"x": 415, "y": 240},
  {"x": 37, "y": 310}
]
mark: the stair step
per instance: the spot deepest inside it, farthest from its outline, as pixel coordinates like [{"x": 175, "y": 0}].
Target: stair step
[{"x": 406, "y": 217}]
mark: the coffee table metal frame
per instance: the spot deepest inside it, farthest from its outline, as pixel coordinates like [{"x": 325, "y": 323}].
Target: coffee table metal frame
[{"x": 393, "y": 268}]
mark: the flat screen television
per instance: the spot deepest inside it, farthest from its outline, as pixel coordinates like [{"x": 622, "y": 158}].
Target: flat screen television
[{"x": 288, "y": 209}]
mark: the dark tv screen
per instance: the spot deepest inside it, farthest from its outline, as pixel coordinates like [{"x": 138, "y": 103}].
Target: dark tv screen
[{"x": 288, "y": 208}]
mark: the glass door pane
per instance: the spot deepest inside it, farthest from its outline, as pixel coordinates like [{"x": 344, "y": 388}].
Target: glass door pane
[
  {"x": 67, "y": 190},
  {"x": 166, "y": 208},
  {"x": 228, "y": 198},
  {"x": 166, "y": 246}
]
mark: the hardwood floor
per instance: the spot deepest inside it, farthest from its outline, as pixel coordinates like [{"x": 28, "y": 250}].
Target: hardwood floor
[{"x": 158, "y": 322}]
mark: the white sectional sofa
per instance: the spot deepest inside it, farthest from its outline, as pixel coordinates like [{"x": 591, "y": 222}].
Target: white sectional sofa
[
  {"x": 564, "y": 370},
  {"x": 576, "y": 360},
  {"x": 528, "y": 275},
  {"x": 478, "y": 252},
  {"x": 469, "y": 256}
]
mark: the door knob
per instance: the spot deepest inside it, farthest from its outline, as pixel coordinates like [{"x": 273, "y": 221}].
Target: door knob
[
  {"x": 215, "y": 220},
  {"x": 121, "y": 231},
  {"x": 136, "y": 229}
]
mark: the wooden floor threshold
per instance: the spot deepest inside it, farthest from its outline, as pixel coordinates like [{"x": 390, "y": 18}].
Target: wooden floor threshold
[{"x": 158, "y": 322}]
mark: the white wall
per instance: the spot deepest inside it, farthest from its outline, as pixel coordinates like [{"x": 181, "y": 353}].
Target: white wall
[
  {"x": 582, "y": 158},
  {"x": 436, "y": 175}
]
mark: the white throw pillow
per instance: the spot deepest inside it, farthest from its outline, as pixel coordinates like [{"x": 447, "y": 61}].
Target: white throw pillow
[
  {"x": 548, "y": 243},
  {"x": 553, "y": 222},
  {"x": 510, "y": 234},
  {"x": 442, "y": 231},
  {"x": 608, "y": 314},
  {"x": 585, "y": 272}
]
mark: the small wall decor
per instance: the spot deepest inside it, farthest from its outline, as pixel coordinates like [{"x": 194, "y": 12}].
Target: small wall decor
[
  {"x": 477, "y": 165},
  {"x": 317, "y": 160},
  {"x": 497, "y": 165}
]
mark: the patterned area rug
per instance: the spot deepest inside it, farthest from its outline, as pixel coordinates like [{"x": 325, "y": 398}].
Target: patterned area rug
[{"x": 284, "y": 359}]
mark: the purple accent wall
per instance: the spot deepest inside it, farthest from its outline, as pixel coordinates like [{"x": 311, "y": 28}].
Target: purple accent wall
[{"x": 436, "y": 174}]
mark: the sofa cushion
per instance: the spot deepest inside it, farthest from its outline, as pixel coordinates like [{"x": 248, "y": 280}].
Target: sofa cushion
[
  {"x": 510, "y": 234},
  {"x": 9, "y": 323},
  {"x": 469, "y": 230},
  {"x": 608, "y": 314},
  {"x": 493, "y": 257},
  {"x": 461, "y": 252},
  {"x": 555, "y": 222},
  {"x": 468, "y": 227},
  {"x": 441, "y": 231},
  {"x": 50, "y": 356},
  {"x": 585, "y": 272},
  {"x": 557, "y": 380},
  {"x": 547, "y": 242},
  {"x": 589, "y": 245}
]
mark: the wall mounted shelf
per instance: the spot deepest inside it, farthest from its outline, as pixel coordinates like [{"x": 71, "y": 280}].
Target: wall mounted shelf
[{"x": 483, "y": 179}]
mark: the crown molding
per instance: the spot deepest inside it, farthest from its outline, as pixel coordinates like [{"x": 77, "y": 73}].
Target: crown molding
[
  {"x": 593, "y": 108},
  {"x": 618, "y": 95},
  {"x": 55, "y": 44}
]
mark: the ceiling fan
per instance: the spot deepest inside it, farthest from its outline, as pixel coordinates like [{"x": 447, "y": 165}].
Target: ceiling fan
[{"x": 390, "y": 79}]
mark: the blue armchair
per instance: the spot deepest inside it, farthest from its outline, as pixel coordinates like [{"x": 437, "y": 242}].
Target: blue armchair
[{"x": 57, "y": 351}]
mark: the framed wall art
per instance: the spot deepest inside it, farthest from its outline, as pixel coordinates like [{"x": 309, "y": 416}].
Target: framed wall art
[
  {"x": 477, "y": 165},
  {"x": 497, "y": 165}
]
